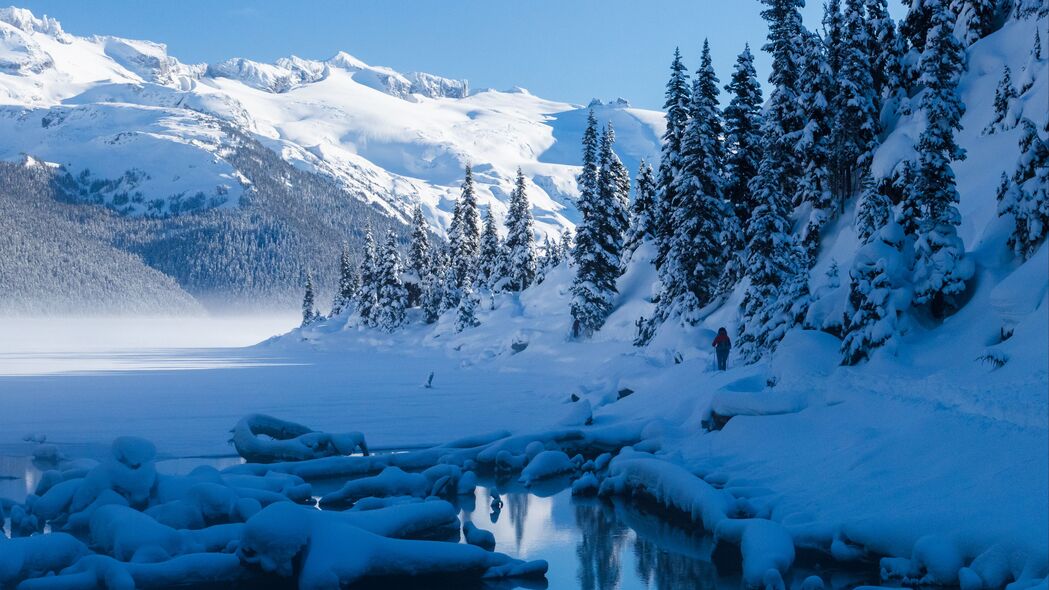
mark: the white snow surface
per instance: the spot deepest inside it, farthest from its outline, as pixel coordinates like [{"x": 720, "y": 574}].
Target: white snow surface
[{"x": 128, "y": 113}]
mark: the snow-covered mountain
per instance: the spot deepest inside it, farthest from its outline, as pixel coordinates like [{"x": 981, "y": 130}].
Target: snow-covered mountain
[{"x": 148, "y": 134}]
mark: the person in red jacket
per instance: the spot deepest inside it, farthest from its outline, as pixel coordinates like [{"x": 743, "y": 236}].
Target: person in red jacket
[{"x": 722, "y": 345}]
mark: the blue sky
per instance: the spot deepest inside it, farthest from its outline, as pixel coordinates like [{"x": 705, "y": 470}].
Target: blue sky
[{"x": 571, "y": 50}]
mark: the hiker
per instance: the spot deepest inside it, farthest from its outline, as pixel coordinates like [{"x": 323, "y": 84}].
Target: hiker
[{"x": 722, "y": 345}]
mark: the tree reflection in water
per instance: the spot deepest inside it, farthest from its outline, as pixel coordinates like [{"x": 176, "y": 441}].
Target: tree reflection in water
[{"x": 599, "y": 548}]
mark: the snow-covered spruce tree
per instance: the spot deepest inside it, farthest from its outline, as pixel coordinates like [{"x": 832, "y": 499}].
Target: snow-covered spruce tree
[
  {"x": 349, "y": 283},
  {"x": 874, "y": 209},
  {"x": 466, "y": 314},
  {"x": 566, "y": 245},
  {"x": 676, "y": 106},
  {"x": 1004, "y": 96},
  {"x": 870, "y": 315},
  {"x": 916, "y": 23},
  {"x": 742, "y": 135},
  {"x": 813, "y": 148},
  {"x": 367, "y": 294},
  {"x": 855, "y": 126},
  {"x": 974, "y": 19},
  {"x": 464, "y": 234},
  {"x": 613, "y": 190},
  {"x": 392, "y": 296},
  {"x": 941, "y": 270},
  {"x": 742, "y": 122},
  {"x": 774, "y": 264},
  {"x": 1025, "y": 195},
  {"x": 520, "y": 235},
  {"x": 599, "y": 240},
  {"x": 433, "y": 286},
  {"x": 309, "y": 307},
  {"x": 642, "y": 211},
  {"x": 886, "y": 49},
  {"x": 419, "y": 254},
  {"x": 693, "y": 263},
  {"x": 833, "y": 38},
  {"x": 490, "y": 261}
]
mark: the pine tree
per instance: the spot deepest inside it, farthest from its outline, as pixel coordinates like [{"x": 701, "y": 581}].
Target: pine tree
[
  {"x": 520, "y": 234},
  {"x": 643, "y": 211},
  {"x": 885, "y": 48},
  {"x": 917, "y": 22},
  {"x": 566, "y": 245},
  {"x": 490, "y": 261},
  {"x": 693, "y": 263},
  {"x": 466, "y": 316},
  {"x": 940, "y": 268},
  {"x": 349, "y": 282},
  {"x": 870, "y": 317},
  {"x": 974, "y": 19},
  {"x": 419, "y": 263},
  {"x": 1004, "y": 96},
  {"x": 368, "y": 296},
  {"x": 1025, "y": 196},
  {"x": 309, "y": 309},
  {"x": 742, "y": 135},
  {"x": 774, "y": 264},
  {"x": 613, "y": 190},
  {"x": 392, "y": 296},
  {"x": 433, "y": 286},
  {"x": 465, "y": 234},
  {"x": 833, "y": 34},
  {"x": 599, "y": 241},
  {"x": 813, "y": 148},
  {"x": 676, "y": 106},
  {"x": 874, "y": 210},
  {"x": 855, "y": 104}
]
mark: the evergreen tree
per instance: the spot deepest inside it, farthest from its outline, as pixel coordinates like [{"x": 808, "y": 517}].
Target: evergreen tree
[
  {"x": 743, "y": 121},
  {"x": 774, "y": 264},
  {"x": 855, "y": 104},
  {"x": 870, "y": 316},
  {"x": 874, "y": 210},
  {"x": 309, "y": 309},
  {"x": 419, "y": 263},
  {"x": 349, "y": 282},
  {"x": 1036, "y": 49},
  {"x": 910, "y": 201},
  {"x": 490, "y": 263},
  {"x": 742, "y": 135},
  {"x": 813, "y": 149},
  {"x": 466, "y": 316},
  {"x": 940, "y": 268},
  {"x": 520, "y": 234},
  {"x": 368, "y": 296},
  {"x": 643, "y": 211},
  {"x": 392, "y": 296},
  {"x": 599, "y": 241},
  {"x": 433, "y": 286},
  {"x": 566, "y": 245},
  {"x": 676, "y": 106},
  {"x": 833, "y": 34},
  {"x": 917, "y": 22},
  {"x": 974, "y": 19},
  {"x": 1026, "y": 195},
  {"x": 465, "y": 234},
  {"x": 613, "y": 190},
  {"x": 1004, "y": 96},
  {"x": 693, "y": 264},
  {"x": 885, "y": 48}
]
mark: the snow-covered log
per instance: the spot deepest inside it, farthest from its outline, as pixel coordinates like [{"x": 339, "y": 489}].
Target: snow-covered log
[{"x": 264, "y": 439}]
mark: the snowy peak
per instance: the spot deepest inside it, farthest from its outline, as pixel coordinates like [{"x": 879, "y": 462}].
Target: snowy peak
[
  {"x": 25, "y": 21},
  {"x": 292, "y": 72}
]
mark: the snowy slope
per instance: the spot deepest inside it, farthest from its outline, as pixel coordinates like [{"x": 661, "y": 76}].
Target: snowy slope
[{"x": 126, "y": 114}]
